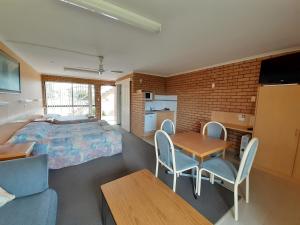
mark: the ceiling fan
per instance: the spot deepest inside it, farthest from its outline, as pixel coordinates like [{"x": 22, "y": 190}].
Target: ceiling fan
[{"x": 100, "y": 69}]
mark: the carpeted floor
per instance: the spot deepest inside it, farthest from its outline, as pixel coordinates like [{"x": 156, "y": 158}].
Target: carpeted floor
[{"x": 78, "y": 187}]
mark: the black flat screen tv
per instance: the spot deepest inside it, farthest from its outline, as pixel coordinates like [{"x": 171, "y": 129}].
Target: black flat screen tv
[
  {"x": 281, "y": 70},
  {"x": 9, "y": 74}
]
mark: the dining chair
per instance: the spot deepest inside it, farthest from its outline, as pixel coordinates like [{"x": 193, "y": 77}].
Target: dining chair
[
  {"x": 175, "y": 161},
  {"x": 214, "y": 129},
  {"x": 168, "y": 126},
  {"x": 225, "y": 170}
]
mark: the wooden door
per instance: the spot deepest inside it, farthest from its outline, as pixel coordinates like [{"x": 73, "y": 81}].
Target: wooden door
[
  {"x": 296, "y": 171},
  {"x": 276, "y": 124}
]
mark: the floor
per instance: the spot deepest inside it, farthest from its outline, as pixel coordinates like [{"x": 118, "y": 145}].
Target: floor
[
  {"x": 273, "y": 201},
  {"x": 78, "y": 187}
]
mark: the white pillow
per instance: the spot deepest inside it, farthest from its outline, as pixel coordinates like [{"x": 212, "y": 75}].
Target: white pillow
[{"x": 5, "y": 197}]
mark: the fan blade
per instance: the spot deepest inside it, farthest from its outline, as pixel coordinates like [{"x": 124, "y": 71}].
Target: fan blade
[
  {"x": 116, "y": 71},
  {"x": 82, "y": 69}
]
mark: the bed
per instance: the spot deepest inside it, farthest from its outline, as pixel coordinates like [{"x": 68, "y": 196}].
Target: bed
[{"x": 70, "y": 144}]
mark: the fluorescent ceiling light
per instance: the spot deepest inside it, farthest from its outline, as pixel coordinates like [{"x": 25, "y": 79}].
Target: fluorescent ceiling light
[
  {"x": 109, "y": 16},
  {"x": 74, "y": 4},
  {"x": 117, "y": 13}
]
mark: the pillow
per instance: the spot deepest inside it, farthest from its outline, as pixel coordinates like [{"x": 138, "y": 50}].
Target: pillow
[
  {"x": 5, "y": 197},
  {"x": 103, "y": 123}
]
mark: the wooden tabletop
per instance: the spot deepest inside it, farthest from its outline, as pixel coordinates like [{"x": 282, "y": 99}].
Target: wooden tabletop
[
  {"x": 14, "y": 151},
  {"x": 142, "y": 199},
  {"x": 198, "y": 144}
]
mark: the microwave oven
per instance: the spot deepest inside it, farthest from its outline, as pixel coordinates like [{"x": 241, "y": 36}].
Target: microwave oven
[{"x": 148, "y": 95}]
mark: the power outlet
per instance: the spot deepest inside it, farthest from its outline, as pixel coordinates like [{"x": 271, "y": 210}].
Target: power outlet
[{"x": 242, "y": 117}]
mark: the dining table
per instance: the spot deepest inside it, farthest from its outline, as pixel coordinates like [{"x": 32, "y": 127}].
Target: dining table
[{"x": 199, "y": 146}]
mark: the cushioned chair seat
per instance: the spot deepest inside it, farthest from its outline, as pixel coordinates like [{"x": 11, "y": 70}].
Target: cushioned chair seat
[
  {"x": 221, "y": 167},
  {"x": 38, "y": 209},
  {"x": 184, "y": 161}
]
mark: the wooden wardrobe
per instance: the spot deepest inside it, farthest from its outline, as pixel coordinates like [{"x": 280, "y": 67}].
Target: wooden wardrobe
[{"x": 277, "y": 125}]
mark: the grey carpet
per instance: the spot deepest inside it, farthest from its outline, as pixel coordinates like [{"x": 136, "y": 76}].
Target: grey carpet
[{"x": 78, "y": 187}]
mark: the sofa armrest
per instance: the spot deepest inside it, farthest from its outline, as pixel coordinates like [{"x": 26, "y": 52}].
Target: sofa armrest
[{"x": 23, "y": 177}]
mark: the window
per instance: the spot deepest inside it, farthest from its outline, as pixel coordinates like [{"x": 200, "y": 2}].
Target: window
[{"x": 70, "y": 98}]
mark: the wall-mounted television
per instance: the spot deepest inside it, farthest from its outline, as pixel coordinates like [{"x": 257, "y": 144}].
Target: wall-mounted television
[
  {"x": 281, "y": 70},
  {"x": 9, "y": 74}
]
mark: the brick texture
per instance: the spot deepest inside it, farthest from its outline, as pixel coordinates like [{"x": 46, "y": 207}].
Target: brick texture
[
  {"x": 151, "y": 83},
  {"x": 142, "y": 82},
  {"x": 235, "y": 84},
  {"x": 137, "y": 113}
]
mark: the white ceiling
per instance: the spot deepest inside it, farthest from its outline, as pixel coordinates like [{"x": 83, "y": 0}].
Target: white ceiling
[{"x": 195, "y": 34}]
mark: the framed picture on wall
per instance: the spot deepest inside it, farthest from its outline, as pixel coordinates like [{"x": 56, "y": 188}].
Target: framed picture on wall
[{"x": 9, "y": 74}]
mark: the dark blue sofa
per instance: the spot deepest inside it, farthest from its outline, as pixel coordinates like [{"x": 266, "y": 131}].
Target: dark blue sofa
[{"x": 35, "y": 203}]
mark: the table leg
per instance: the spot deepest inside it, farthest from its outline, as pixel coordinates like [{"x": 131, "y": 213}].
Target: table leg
[{"x": 194, "y": 176}]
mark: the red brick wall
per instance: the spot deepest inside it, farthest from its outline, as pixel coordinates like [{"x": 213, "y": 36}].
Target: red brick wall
[
  {"x": 142, "y": 82},
  {"x": 137, "y": 113},
  {"x": 146, "y": 82},
  {"x": 234, "y": 86}
]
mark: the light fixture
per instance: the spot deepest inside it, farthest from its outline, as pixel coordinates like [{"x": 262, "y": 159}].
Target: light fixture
[
  {"x": 117, "y": 13},
  {"x": 109, "y": 16}
]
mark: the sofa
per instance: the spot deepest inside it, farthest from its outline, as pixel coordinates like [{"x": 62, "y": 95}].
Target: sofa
[{"x": 35, "y": 203}]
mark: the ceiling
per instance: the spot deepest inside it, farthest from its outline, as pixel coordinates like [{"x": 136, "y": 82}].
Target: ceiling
[{"x": 195, "y": 34}]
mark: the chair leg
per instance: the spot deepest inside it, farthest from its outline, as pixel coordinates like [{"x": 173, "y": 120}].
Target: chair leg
[
  {"x": 236, "y": 195},
  {"x": 174, "y": 181},
  {"x": 156, "y": 170},
  {"x": 247, "y": 189},
  {"x": 199, "y": 182}
]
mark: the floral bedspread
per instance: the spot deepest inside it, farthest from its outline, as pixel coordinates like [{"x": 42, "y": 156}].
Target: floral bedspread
[{"x": 71, "y": 144}]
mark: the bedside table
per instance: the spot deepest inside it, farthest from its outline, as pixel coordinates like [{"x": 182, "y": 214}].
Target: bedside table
[{"x": 14, "y": 151}]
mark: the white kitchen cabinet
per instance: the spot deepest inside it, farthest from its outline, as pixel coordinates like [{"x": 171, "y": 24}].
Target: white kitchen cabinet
[{"x": 150, "y": 122}]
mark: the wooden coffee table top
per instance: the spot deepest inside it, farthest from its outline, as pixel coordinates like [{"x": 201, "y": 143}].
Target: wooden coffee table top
[
  {"x": 198, "y": 144},
  {"x": 14, "y": 151},
  {"x": 142, "y": 199}
]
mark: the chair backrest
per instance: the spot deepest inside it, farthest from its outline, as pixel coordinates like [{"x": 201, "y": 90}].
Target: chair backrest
[
  {"x": 25, "y": 176},
  {"x": 247, "y": 160},
  {"x": 214, "y": 129},
  {"x": 164, "y": 149},
  {"x": 168, "y": 126}
]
